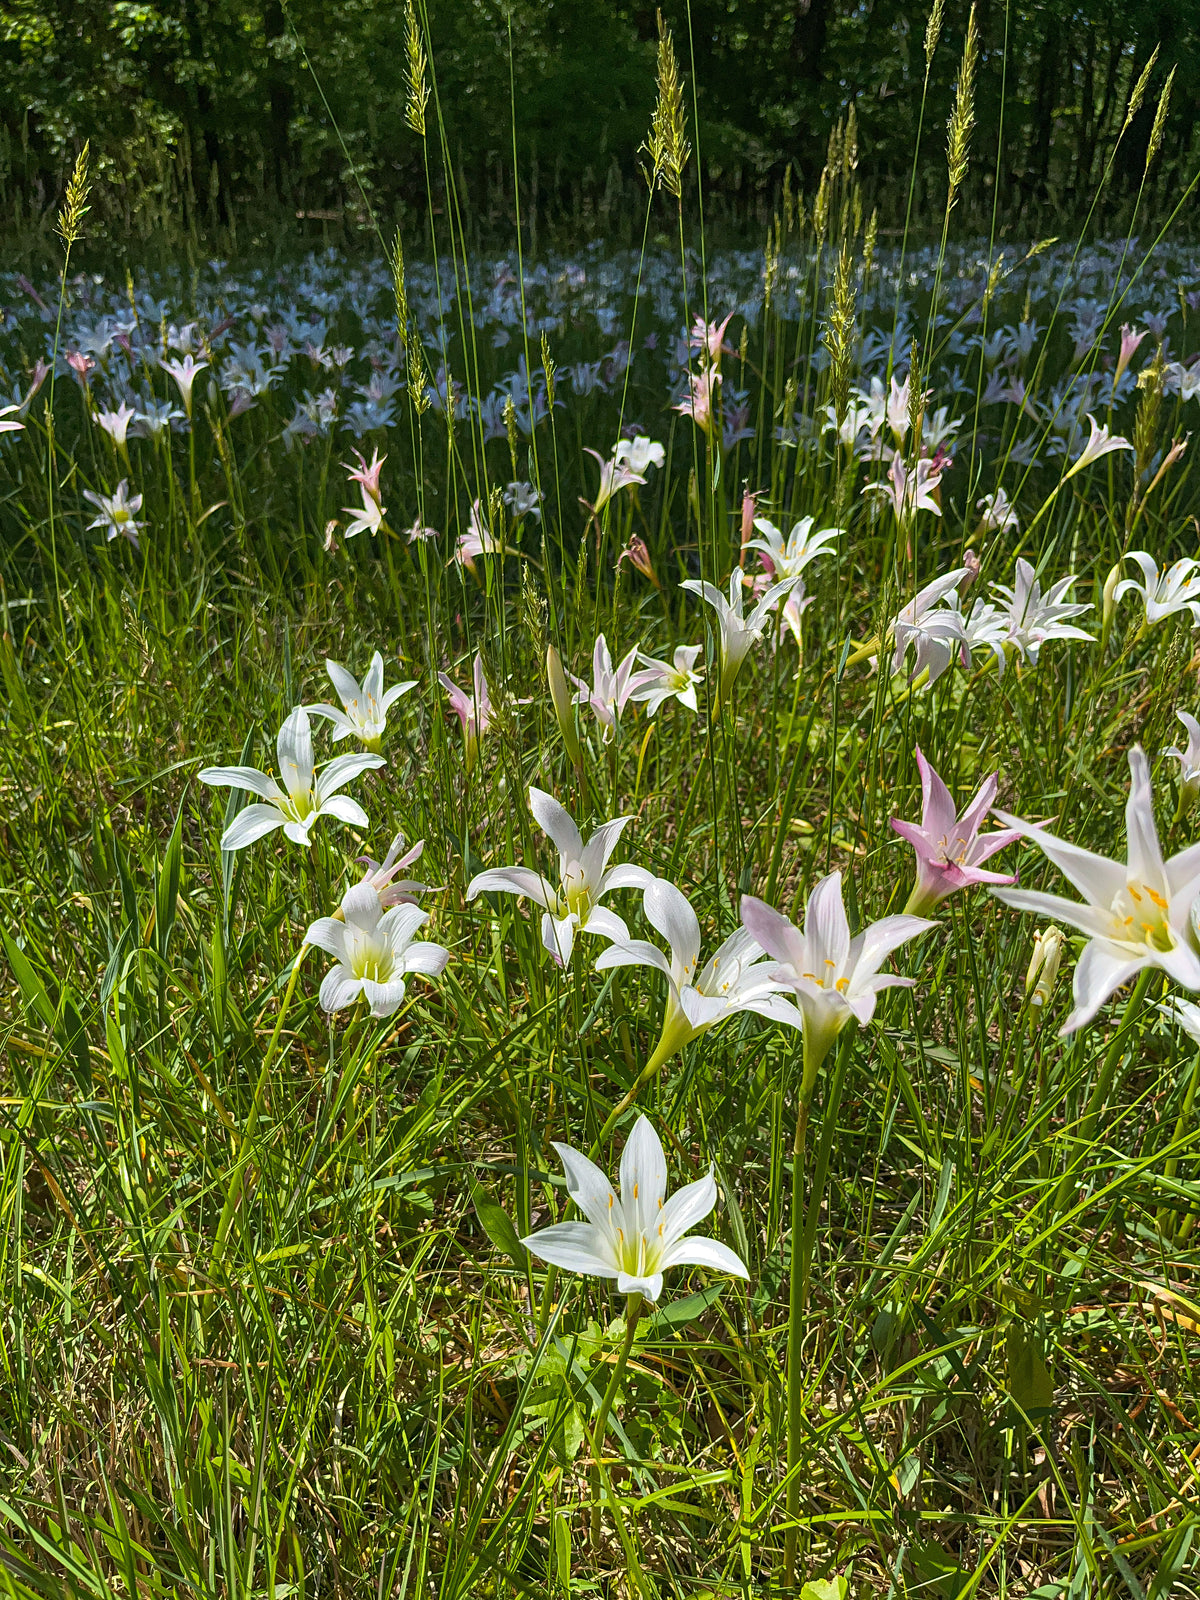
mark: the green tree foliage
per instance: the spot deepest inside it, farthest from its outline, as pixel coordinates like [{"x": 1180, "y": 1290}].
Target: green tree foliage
[{"x": 216, "y": 106}]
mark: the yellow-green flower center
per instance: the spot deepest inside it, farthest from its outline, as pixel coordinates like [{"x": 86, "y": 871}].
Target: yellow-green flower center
[{"x": 1141, "y": 915}]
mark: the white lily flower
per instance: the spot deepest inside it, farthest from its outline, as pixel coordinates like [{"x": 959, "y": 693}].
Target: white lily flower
[
  {"x": 936, "y": 631},
  {"x": 1176, "y": 588},
  {"x": 366, "y": 704},
  {"x": 184, "y": 373},
  {"x": 660, "y": 681},
  {"x": 611, "y": 687},
  {"x": 366, "y": 518},
  {"x": 1189, "y": 761},
  {"x": 639, "y": 1235},
  {"x": 615, "y": 475},
  {"x": 1033, "y": 617},
  {"x": 910, "y": 492},
  {"x": 735, "y": 979},
  {"x": 1136, "y": 914},
  {"x": 789, "y": 557},
  {"x": 638, "y": 454},
  {"x": 835, "y": 978},
  {"x": 1101, "y": 443},
  {"x": 999, "y": 513},
  {"x": 302, "y": 795},
  {"x": 584, "y": 878},
  {"x": 738, "y": 632},
  {"x": 116, "y": 423},
  {"x": 374, "y": 950},
  {"x": 118, "y": 513}
]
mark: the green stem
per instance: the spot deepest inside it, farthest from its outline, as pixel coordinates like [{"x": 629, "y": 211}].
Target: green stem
[
  {"x": 633, "y": 1307},
  {"x": 814, "y": 1054},
  {"x": 664, "y": 1050},
  {"x": 247, "y": 1140}
]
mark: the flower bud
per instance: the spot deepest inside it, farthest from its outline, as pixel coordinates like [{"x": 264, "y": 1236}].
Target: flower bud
[
  {"x": 1043, "y": 967},
  {"x": 564, "y": 707}
]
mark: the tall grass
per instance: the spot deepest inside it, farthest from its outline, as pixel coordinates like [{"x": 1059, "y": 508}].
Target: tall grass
[{"x": 268, "y": 1326}]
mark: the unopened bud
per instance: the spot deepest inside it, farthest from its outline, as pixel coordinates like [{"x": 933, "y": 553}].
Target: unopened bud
[
  {"x": 637, "y": 553},
  {"x": 564, "y": 707},
  {"x": 1043, "y": 966},
  {"x": 748, "y": 508}
]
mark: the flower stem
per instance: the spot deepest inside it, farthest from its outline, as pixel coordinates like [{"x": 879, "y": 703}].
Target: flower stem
[
  {"x": 633, "y": 1307},
  {"x": 814, "y": 1053},
  {"x": 664, "y": 1050}
]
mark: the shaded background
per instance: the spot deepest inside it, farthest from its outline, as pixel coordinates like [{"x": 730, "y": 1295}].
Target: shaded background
[{"x": 204, "y": 116}]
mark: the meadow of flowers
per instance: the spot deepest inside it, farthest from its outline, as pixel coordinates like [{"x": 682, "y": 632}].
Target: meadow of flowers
[{"x": 603, "y": 920}]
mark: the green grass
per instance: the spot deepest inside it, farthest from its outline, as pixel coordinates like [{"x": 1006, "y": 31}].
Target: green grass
[{"x": 264, "y": 1329}]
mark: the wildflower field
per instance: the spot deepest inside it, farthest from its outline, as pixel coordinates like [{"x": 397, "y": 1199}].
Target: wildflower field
[{"x": 601, "y": 911}]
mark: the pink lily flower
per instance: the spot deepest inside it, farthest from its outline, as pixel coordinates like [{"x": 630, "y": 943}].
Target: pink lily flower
[
  {"x": 950, "y": 849},
  {"x": 381, "y": 875},
  {"x": 709, "y": 338},
  {"x": 474, "y": 711},
  {"x": 698, "y": 403},
  {"x": 367, "y": 476}
]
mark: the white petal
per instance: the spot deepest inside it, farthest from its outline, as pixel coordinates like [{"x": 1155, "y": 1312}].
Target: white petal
[
  {"x": 643, "y": 1177},
  {"x": 513, "y": 880},
  {"x": 345, "y": 683},
  {"x": 606, "y": 924},
  {"x": 626, "y": 876},
  {"x": 576, "y": 1246},
  {"x": 388, "y": 700},
  {"x": 341, "y": 722},
  {"x": 669, "y": 913},
  {"x": 1100, "y": 971},
  {"x": 327, "y": 934},
  {"x": 687, "y": 1207},
  {"x": 1097, "y": 924},
  {"x": 558, "y": 937},
  {"x": 1145, "y": 853},
  {"x": 344, "y": 809},
  {"x": 342, "y": 769},
  {"x": 293, "y": 748},
  {"x": 826, "y": 929},
  {"x": 649, "y": 1288},
  {"x": 882, "y": 937},
  {"x": 705, "y": 1253},
  {"x": 556, "y": 824},
  {"x": 241, "y": 778},
  {"x": 633, "y": 953},
  {"x": 600, "y": 846},
  {"x": 384, "y": 999},
  {"x": 339, "y": 988},
  {"x": 587, "y": 1186},
  {"x": 251, "y": 823},
  {"x": 427, "y": 958},
  {"x": 772, "y": 931},
  {"x": 400, "y": 923},
  {"x": 1098, "y": 879}
]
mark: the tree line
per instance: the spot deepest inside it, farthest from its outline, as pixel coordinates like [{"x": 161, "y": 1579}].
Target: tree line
[{"x": 211, "y": 110}]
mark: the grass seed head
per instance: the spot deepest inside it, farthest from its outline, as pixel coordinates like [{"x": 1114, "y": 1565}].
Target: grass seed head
[
  {"x": 69, "y": 225},
  {"x": 416, "y": 72},
  {"x": 667, "y": 145}
]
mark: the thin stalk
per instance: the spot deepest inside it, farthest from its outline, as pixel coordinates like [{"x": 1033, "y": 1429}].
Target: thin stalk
[{"x": 633, "y": 1307}]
